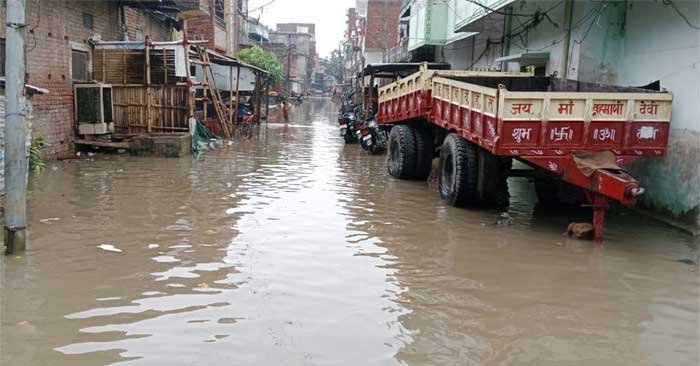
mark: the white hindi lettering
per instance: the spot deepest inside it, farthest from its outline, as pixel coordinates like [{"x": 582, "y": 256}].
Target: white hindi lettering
[
  {"x": 520, "y": 134},
  {"x": 604, "y": 134},
  {"x": 647, "y": 133}
]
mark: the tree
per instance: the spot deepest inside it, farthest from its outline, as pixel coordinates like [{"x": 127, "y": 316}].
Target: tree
[
  {"x": 335, "y": 66},
  {"x": 267, "y": 61}
]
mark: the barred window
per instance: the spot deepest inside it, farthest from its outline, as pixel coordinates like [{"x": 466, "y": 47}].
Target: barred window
[
  {"x": 219, "y": 13},
  {"x": 80, "y": 65},
  {"x": 88, "y": 21}
]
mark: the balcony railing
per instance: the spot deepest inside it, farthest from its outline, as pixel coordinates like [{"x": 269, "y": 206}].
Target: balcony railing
[{"x": 396, "y": 54}]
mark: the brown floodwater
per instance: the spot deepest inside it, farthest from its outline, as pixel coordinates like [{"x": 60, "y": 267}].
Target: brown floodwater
[{"x": 291, "y": 248}]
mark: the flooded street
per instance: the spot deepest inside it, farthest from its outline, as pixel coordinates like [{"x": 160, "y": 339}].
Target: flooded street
[{"x": 292, "y": 248}]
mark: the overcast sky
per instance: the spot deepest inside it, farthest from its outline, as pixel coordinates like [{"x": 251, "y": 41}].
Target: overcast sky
[{"x": 328, "y": 15}]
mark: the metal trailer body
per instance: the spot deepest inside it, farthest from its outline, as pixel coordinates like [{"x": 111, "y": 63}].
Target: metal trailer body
[{"x": 546, "y": 129}]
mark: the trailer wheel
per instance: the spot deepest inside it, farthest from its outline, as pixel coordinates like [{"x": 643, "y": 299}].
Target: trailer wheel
[
  {"x": 493, "y": 178},
  {"x": 401, "y": 159},
  {"x": 459, "y": 167},
  {"x": 424, "y": 152}
]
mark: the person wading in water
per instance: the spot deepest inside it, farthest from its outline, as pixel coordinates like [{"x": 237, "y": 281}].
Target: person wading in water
[{"x": 285, "y": 111}]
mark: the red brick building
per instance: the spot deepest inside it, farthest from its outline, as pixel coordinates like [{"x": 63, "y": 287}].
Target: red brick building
[
  {"x": 381, "y": 28},
  {"x": 58, "y": 52}
]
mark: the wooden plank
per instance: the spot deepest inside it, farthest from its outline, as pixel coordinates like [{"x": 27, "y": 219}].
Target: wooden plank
[
  {"x": 149, "y": 112},
  {"x": 104, "y": 144}
]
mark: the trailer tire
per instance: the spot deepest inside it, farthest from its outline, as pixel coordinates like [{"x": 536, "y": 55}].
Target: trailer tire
[
  {"x": 424, "y": 152},
  {"x": 459, "y": 168},
  {"x": 493, "y": 178},
  {"x": 401, "y": 159}
]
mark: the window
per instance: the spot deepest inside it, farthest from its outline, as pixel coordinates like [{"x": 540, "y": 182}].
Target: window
[
  {"x": 301, "y": 29},
  {"x": 80, "y": 65},
  {"x": 88, "y": 21},
  {"x": 219, "y": 12}
]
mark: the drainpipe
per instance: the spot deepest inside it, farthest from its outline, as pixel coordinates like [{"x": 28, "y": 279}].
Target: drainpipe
[
  {"x": 568, "y": 16},
  {"x": 15, "y": 130}
]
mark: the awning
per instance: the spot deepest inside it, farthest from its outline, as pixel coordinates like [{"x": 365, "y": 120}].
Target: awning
[
  {"x": 392, "y": 69},
  {"x": 220, "y": 59},
  {"x": 527, "y": 59}
]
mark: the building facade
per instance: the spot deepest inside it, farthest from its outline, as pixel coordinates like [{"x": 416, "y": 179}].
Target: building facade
[
  {"x": 58, "y": 53},
  {"x": 295, "y": 47},
  {"x": 380, "y": 29}
]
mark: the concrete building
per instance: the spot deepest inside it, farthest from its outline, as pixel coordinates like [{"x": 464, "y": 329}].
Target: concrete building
[
  {"x": 352, "y": 44},
  {"x": 295, "y": 46},
  {"x": 615, "y": 42}
]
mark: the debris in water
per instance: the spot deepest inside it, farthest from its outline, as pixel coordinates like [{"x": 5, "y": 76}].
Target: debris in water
[
  {"x": 153, "y": 246},
  {"x": 103, "y": 299},
  {"x": 54, "y": 168},
  {"x": 91, "y": 154},
  {"x": 689, "y": 262},
  {"x": 580, "y": 231},
  {"x": 49, "y": 220},
  {"x": 109, "y": 248},
  {"x": 504, "y": 219}
]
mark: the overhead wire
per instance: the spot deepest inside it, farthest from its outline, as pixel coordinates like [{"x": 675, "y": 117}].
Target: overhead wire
[{"x": 680, "y": 13}]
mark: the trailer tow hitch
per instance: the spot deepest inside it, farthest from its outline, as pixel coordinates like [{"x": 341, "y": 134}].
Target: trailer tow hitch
[{"x": 615, "y": 184}]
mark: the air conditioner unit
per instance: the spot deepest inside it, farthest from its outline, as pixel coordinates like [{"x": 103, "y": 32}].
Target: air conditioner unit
[{"x": 93, "y": 109}]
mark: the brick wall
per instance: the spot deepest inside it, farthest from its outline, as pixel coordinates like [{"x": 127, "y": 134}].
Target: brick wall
[
  {"x": 382, "y": 23},
  {"x": 139, "y": 25},
  {"x": 55, "y": 28},
  {"x": 201, "y": 28}
]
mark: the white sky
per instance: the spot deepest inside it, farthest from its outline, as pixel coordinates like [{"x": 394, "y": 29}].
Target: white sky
[{"x": 328, "y": 15}]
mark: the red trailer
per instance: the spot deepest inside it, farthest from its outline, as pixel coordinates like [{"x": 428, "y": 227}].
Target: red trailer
[{"x": 478, "y": 121}]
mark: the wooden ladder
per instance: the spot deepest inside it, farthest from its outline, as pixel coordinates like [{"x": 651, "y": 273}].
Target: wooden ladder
[{"x": 211, "y": 89}]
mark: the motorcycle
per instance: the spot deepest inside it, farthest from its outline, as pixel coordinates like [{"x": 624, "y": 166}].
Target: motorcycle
[
  {"x": 373, "y": 139},
  {"x": 348, "y": 128},
  {"x": 347, "y": 119}
]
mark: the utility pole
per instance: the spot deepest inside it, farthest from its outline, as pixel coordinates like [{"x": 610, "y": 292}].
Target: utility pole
[
  {"x": 15, "y": 130},
  {"x": 289, "y": 64}
]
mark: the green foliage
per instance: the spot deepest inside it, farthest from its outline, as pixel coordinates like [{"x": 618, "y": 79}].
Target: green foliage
[
  {"x": 36, "y": 154},
  {"x": 335, "y": 65},
  {"x": 267, "y": 61}
]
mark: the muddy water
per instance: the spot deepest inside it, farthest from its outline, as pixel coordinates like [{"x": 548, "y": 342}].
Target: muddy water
[{"x": 293, "y": 249}]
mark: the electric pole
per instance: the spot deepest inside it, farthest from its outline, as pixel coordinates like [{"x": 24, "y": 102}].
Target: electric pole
[
  {"x": 15, "y": 130},
  {"x": 289, "y": 64}
]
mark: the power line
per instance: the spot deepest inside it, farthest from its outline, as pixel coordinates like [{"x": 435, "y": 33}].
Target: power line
[
  {"x": 680, "y": 13},
  {"x": 261, "y": 6}
]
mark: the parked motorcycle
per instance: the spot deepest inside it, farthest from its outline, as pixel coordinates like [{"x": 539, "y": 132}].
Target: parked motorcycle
[
  {"x": 373, "y": 139},
  {"x": 347, "y": 119}
]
